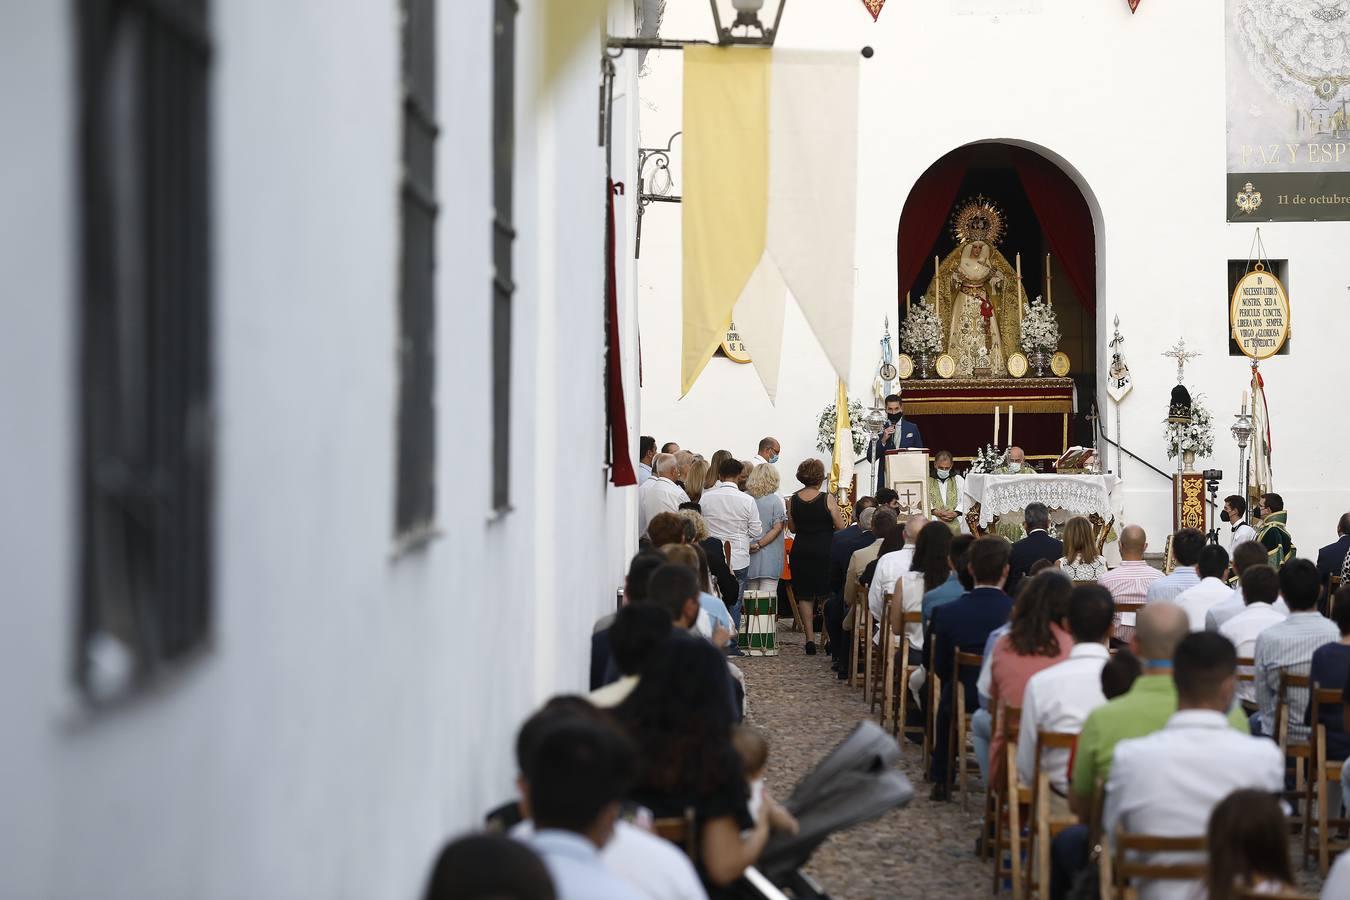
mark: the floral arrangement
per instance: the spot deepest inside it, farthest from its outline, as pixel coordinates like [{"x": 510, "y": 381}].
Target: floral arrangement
[
  {"x": 825, "y": 428},
  {"x": 1197, "y": 437},
  {"x": 988, "y": 459},
  {"x": 1040, "y": 328},
  {"x": 921, "y": 332}
]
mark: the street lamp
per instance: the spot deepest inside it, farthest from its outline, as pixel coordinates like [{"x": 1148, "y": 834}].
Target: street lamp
[
  {"x": 1242, "y": 432},
  {"x": 753, "y": 31}
]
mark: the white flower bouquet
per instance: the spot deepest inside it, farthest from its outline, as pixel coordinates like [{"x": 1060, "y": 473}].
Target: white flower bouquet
[
  {"x": 987, "y": 459},
  {"x": 1197, "y": 437},
  {"x": 921, "y": 331},
  {"x": 826, "y": 425},
  {"x": 1040, "y": 328}
]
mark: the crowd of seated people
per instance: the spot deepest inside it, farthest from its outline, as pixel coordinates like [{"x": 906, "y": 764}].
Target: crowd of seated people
[{"x": 1169, "y": 686}]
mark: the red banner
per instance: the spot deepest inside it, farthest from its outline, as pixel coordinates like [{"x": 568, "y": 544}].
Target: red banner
[{"x": 874, "y": 7}]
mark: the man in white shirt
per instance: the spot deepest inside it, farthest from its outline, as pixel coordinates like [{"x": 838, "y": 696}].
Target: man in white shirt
[
  {"x": 1235, "y": 514},
  {"x": 1245, "y": 556},
  {"x": 1059, "y": 698},
  {"x": 768, "y": 452},
  {"x": 646, "y": 453},
  {"x": 1211, "y": 590},
  {"x": 1260, "y": 588},
  {"x": 660, "y": 493},
  {"x": 1288, "y": 646},
  {"x": 1169, "y": 782},
  {"x": 891, "y": 567},
  {"x": 630, "y": 862},
  {"x": 731, "y": 515}
]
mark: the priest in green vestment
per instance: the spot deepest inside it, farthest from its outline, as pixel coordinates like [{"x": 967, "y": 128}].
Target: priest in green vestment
[
  {"x": 1274, "y": 532},
  {"x": 947, "y": 492}
]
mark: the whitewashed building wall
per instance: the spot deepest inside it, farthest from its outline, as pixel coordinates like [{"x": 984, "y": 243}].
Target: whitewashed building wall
[
  {"x": 355, "y": 706},
  {"x": 1132, "y": 107}
]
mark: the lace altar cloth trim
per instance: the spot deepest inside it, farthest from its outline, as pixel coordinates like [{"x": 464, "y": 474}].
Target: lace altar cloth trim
[{"x": 1000, "y": 495}]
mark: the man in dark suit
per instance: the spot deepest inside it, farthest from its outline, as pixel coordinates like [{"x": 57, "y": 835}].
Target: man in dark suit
[
  {"x": 965, "y": 624},
  {"x": 1331, "y": 558},
  {"x": 897, "y": 435},
  {"x": 842, "y": 545},
  {"x": 1038, "y": 544}
]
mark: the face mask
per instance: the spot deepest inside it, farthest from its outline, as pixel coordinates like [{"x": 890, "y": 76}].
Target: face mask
[
  {"x": 1014, "y": 467},
  {"x": 944, "y": 474},
  {"x": 773, "y": 459},
  {"x": 894, "y": 417},
  {"x": 1223, "y": 517}
]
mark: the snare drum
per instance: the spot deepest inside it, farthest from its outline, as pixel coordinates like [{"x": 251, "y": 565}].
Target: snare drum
[{"x": 757, "y": 635}]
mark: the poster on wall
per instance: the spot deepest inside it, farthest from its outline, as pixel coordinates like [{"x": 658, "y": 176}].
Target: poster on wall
[{"x": 1288, "y": 79}]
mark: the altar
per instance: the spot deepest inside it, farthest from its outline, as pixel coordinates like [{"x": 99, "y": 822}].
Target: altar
[
  {"x": 957, "y": 414},
  {"x": 990, "y": 498}
]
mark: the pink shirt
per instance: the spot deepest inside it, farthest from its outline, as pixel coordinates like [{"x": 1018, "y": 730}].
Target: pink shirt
[
  {"x": 1128, "y": 582},
  {"x": 1009, "y": 673}
]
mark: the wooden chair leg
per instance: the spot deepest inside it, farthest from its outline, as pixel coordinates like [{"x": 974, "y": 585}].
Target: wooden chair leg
[
  {"x": 1314, "y": 786},
  {"x": 961, "y": 749},
  {"x": 887, "y": 721},
  {"x": 1015, "y": 846},
  {"x": 865, "y": 623}
]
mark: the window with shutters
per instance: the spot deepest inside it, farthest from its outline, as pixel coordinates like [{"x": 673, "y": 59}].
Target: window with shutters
[
  {"x": 145, "y": 401},
  {"x": 503, "y": 238},
  {"x": 415, "y": 504}
]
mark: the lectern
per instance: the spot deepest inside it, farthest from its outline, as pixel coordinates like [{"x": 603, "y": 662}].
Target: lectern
[{"x": 907, "y": 475}]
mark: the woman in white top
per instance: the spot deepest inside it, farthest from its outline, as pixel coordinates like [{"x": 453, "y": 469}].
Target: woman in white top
[{"x": 1081, "y": 560}]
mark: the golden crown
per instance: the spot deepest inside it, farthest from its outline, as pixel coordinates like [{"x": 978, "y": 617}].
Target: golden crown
[{"x": 978, "y": 220}]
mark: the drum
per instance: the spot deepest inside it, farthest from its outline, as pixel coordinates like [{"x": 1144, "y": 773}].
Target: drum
[{"x": 757, "y": 635}]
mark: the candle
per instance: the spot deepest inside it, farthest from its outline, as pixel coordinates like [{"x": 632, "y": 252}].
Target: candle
[
  {"x": 1010, "y": 415},
  {"x": 1244, "y": 403},
  {"x": 906, "y": 302},
  {"x": 1019, "y": 288},
  {"x": 1049, "y": 283},
  {"x": 996, "y": 412}
]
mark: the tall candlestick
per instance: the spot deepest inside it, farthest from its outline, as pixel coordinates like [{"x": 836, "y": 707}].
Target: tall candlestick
[
  {"x": 1049, "y": 283},
  {"x": 906, "y": 302},
  {"x": 996, "y": 412},
  {"x": 937, "y": 286},
  {"x": 1019, "y": 289},
  {"x": 1010, "y": 415}
]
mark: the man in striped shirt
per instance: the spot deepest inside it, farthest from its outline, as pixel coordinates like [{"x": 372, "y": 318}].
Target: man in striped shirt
[
  {"x": 1186, "y": 546},
  {"x": 1289, "y": 645},
  {"x": 1129, "y": 582}
]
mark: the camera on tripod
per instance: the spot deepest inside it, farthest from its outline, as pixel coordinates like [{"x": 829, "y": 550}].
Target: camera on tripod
[{"x": 1212, "y": 478}]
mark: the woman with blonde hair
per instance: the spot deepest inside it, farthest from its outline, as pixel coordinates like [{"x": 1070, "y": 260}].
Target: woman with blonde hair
[
  {"x": 714, "y": 466},
  {"x": 696, "y": 479},
  {"x": 1081, "y": 561},
  {"x": 766, "y": 551}
]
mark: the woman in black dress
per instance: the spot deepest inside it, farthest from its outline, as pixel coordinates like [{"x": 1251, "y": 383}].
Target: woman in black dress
[{"x": 813, "y": 518}]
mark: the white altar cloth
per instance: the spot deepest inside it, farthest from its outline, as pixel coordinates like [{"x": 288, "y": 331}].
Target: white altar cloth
[{"x": 1070, "y": 495}]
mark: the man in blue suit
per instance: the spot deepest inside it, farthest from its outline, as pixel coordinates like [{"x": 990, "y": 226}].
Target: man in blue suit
[
  {"x": 897, "y": 435},
  {"x": 1331, "y": 558}
]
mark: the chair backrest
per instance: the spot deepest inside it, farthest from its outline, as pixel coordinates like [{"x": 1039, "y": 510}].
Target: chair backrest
[
  {"x": 1288, "y": 681},
  {"x": 1127, "y": 868},
  {"x": 680, "y": 831},
  {"x": 1051, "y": 740},
  {"x": 1245, "y": 670}
]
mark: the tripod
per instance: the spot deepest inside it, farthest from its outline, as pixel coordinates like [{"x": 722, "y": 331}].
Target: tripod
[{"x": 1213, "y": 536}]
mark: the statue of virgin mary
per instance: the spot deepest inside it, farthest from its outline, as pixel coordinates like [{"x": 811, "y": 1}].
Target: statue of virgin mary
[{"x": 976, "y": 291}]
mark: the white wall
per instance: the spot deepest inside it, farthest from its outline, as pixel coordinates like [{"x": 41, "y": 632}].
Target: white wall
[
  {"x": 354, "y": 708},
  {"x": 1134, "y": 107}
]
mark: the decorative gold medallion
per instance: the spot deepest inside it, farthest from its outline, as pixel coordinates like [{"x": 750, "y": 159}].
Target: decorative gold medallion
[
  {"x": 1059, "y": 364},
  {"x": 1248, "y": 199},
  {"x": 734, "y": 347},
  {"x": 904, "y": 365},
  {"x": 946, "y": 365},
  {"x": 1017, "y": 365}
]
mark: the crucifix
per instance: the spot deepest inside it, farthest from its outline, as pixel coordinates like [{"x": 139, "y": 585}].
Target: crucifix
[
  {"x": 1182, "y": 356},
  {"x": 908, "y": 497}
]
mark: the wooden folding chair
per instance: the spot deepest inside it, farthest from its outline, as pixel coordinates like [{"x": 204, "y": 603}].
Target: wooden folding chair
[
  {"x": 1006, "y": 805},
  {"x": 1044, "y": 824},
  {"x": 906, "y": 667},
  {"x": 1323, "y": 788},
  {"x": 1246, "y": 674},
  {"x": 682, "y": 831},
  {"x": 1297, "y": 752},
  {"x": 881, "y": 669},
  {"x": 1125, "y": 868},
  {"x": 959, "y": 763},
  {"x": 858, "y": 644},
  {"x": 930, "y": 720},
  {"x": 863, "y": 620}
]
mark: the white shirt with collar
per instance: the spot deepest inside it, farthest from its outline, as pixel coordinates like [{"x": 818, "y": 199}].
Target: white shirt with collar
[
  {"x": 888, "y": 571},
  {"x": 576, "y": 867},
  {"x": 1167, "y": 783},
  {"x": 644, "y": 472},
  {"x": 1242, "y": 533},
  {"x": 1225, "y": 609},
  {"x": 759, "y": 460},
  {"x": 1198, "y": 601},
  {"x": 652, "y": 866},
  {"x": 657, "y": 495},
  {"x": 1059, "y": 698},
  {"x": 1243, "y": 630},
  {"x": 732, "y": 515}
]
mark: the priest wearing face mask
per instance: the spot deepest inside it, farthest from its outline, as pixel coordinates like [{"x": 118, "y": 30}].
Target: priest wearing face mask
[
  {"x": 1016, "y": 465},
  {"x": 899, "y": 434},
  {"x": 946, "y": 493}
]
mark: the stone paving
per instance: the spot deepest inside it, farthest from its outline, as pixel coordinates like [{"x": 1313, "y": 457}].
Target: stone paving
[{"x": 925, "y": 850}]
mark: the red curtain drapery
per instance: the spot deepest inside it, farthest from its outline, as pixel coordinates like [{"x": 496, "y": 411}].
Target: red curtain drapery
[
  {"x": 616, "y": 413},
  {"x": 1061, "y": 210}
]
